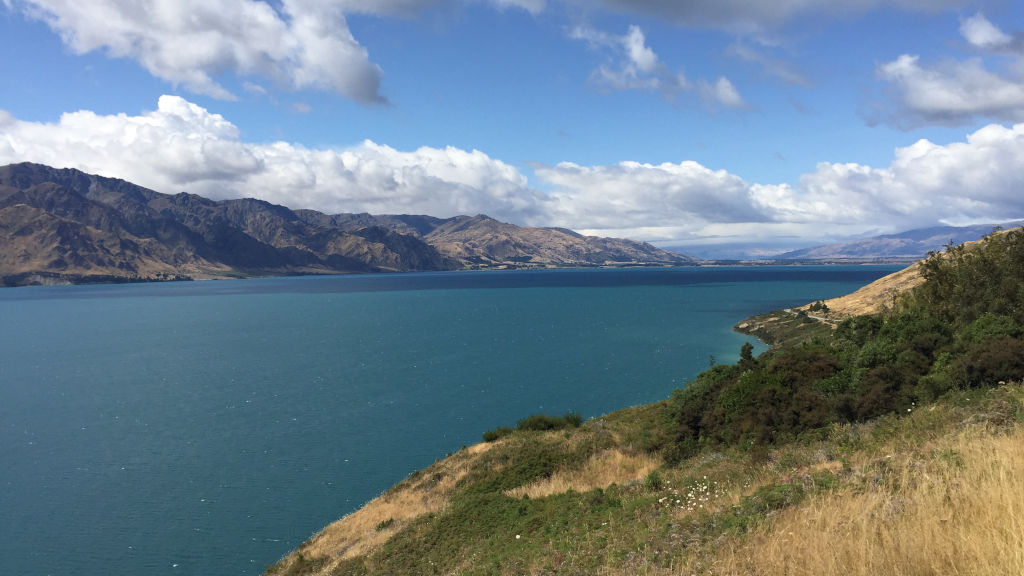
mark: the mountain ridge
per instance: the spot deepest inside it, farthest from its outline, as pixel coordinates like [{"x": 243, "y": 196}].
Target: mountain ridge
[{"x": 61, "y": 226}]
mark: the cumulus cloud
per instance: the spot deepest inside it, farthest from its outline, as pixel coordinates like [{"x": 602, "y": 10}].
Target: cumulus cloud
[
  {"x": 307, "y": 45},
  {"x": 975, "y": 181},
  {"x": 957, "y": 91},
  {"x": 299, "y": 44},
  {"x": 183, "y": 147}
]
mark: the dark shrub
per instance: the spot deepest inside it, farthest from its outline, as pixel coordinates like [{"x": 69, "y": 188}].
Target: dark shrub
[
  {"x": 542, "y": 422},
  {"x": 880, "y": 392},
  {"x": 997, "y": 359},
  {"x": 497, "y": 433}
]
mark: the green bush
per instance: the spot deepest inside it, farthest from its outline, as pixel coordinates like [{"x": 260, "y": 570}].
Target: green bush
[
  {"x": 497, "y": 433},
  {"x": 963, "y": 327},
  {"x": 997, "y": 359},
  {"x": 653, "y": 481},
  {"x": 543, "y": 422}
]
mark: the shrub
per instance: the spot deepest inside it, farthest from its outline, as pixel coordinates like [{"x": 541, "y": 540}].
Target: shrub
[
  {"x": 653, "y": 481},
  {"x": 543, "y": 422},
  {"x": 997, "y": 359},
  {"x": 497, "y": 434},
  {"x": 989, "y": 326}
]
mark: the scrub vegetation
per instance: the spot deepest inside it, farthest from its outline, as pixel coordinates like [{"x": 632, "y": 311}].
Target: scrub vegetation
[{"x": 889, "y": 444}]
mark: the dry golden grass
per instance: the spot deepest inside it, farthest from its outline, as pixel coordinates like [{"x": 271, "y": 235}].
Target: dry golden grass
[
  {"x": 357, "y": 534},
  {"x": 612, "y": 466},
  {"x": 874, "y": 297},
  {"x": 960, "y": 510},
  {"x": 882, "y": 293}
]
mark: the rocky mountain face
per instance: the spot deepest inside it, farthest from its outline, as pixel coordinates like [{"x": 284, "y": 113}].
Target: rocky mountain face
[{"x": 65, "y": 226}]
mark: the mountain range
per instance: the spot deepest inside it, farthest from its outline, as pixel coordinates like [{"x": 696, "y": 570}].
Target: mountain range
[
  {"x": 910, "y": 245},
  {"x": 60, "y": 226}
]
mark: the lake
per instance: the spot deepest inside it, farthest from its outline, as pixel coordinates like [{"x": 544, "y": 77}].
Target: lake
[{"x": 210, "y": 427}]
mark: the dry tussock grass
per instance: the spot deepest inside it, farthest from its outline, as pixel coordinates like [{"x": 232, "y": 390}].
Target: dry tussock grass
[
  {"x": 612, "y": 466},
  {"x": 875, "y": 297},
  {"x": 959, "y": 511},
  {"x": 357, "y": 534}
]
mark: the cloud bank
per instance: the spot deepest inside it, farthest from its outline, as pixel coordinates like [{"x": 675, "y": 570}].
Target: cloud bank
[{"x": 183, "y": 147}]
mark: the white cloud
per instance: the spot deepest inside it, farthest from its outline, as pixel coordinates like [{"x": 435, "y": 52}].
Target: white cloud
[
  {"x": 981, "y": 33},
  {"x": 299, "y": 44},
  {"x": 977, "y": 181},
  {"x": 972, "y": 181},
  {"x": 190, "y": 42},
  {"x": 640, "y": 55},
  {"x": 632, "y": 64},
  {"x": 183, "y": 147},
  {"x": 955, "y": 92},
  {"x": 951, "y": 92},
  {"x": 721, "y": 92}
]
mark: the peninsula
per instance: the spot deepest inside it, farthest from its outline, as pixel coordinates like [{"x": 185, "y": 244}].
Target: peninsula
[{"x": 887, "y": 443}]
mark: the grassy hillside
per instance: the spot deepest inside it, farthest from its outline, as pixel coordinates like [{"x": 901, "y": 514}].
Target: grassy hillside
[{"x": 888, "y": 445}]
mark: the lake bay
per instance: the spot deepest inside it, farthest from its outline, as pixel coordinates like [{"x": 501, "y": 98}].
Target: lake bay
[{"x": 211, "y": 427}]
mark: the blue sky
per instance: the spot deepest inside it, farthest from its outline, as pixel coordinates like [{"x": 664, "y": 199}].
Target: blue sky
[{"x": 780, "y": 123}]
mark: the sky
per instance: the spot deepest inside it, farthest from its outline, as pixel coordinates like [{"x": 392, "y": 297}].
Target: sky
[{"x": 767, "y": 124}]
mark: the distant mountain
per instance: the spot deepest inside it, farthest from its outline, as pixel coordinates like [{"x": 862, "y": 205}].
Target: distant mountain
[
  {"x": 65, "y": 226},
  {"x": 910, "y": 245},
  {"x": 483, "y": 242}
]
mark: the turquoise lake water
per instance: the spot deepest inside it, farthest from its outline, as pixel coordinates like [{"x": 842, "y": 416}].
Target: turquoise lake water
[{"x": 208, "y": 428}]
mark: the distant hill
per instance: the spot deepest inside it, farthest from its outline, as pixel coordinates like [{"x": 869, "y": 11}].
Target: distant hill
[
  {"x": 483, "y": 242},
  {"x": 910, "y": 245},
  {"x": 66, "y": 226}
]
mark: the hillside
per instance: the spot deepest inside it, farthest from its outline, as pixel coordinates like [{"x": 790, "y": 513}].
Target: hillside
[
  {"x": 483, "y": 242},
  {"x": 65, "y": 226},
  {"x": 889, "y": 445}
]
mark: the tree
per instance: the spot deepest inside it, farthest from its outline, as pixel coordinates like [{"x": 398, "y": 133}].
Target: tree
[{"x": 747, "y": 352}]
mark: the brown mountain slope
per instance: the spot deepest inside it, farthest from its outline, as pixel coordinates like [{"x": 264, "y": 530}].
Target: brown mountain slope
[
  {"x": 60, "y": 226},
  {"x": 483, "y": 242},
  {"x": 65, "y": 226}
]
